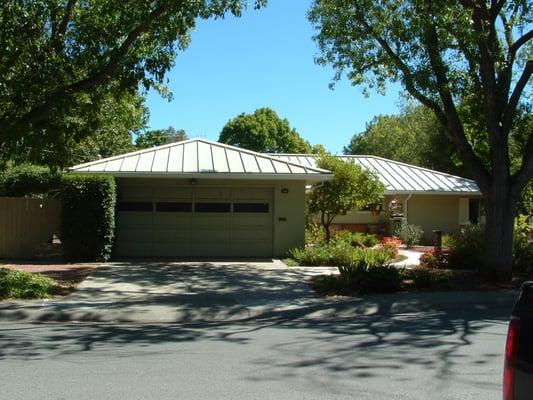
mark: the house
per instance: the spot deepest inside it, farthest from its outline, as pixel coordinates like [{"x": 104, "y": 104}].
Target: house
[
  {"x": 199, "y": 198},
  {"x": 431, "y": 199}
]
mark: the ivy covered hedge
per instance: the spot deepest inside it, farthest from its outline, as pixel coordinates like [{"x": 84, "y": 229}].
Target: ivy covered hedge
[
  {"x": 29, "y": 180},
  {"x": 88, "y": 216}
]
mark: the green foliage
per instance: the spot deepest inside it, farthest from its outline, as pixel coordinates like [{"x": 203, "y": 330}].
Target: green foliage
[
  {"x": 263, "y": 131},
  {"x": 414, "y": 137},
  {"x": 370, "y": 273},
  {"x": 335, "y": 253},
  {"x": 356, "y": 239},
  {"x": 28, "y": 180},
  {"x": 102, "y": 131},
  {"x": 25, "y": 285},
  {"x": 314, "y": 233},
  {"x": 88, "y": 217},
  {"x": 409, "y": 234},
  {"x": 522, "y": 247},
  {"x": 63, "y": 62},
  {"x": 426, "y": 278},
  {"x": 159, "y": 137},
  {"x": 465, "y": 248},
  {"x": 351, "y": 186}
]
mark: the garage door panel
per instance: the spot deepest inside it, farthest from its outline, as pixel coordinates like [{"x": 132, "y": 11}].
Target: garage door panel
[
  {"x": 135, "y": 234},
  {"x": 256, "y": 235},
  {"x": 200, "y": 220},
  {"x": 132, "y": 219},
  {"x": 211, "y": 235},
  {"x": 172, "y": 249},
  {"x": 184, "y": 221},
  {"x": 172, "y": 235},
  {"x": 252, "y": 220},
  {"x": 173, "y": 193},
  {"x": 134, "y": 249},
  {"x": 208, "y": 249},
  {"x": 212, "y": 193}
]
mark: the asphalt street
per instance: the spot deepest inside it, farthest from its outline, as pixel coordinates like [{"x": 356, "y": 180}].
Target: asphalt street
[{"x": 456, "y": 354}]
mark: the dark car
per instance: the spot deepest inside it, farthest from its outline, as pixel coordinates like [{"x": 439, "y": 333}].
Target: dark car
[{"x": 518, "y": 367}]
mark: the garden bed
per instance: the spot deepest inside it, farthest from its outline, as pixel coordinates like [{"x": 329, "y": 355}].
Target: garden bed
[{"x": 66, "y": 276}]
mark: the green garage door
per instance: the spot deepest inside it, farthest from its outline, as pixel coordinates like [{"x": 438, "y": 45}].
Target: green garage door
[{"x": 195, "y": 222}]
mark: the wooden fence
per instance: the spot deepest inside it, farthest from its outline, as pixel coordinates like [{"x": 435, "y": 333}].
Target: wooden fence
[{"x": 26, "y": 225}]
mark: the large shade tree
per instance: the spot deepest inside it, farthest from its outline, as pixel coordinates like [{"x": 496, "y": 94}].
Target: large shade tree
[
  {"x": 62, "y": 60},
  {"x": 468, "y": 54},
  {"x": 414, "y": 137},
  {"x": 263, "y": 131}
]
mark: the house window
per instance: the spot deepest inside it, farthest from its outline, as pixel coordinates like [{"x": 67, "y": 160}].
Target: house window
[
  {"x": 250, "y": 207},
  {"x": 139, "y": 206},
  {"x": 173, "y": 207},
  {"x": 212, "y": 207}
]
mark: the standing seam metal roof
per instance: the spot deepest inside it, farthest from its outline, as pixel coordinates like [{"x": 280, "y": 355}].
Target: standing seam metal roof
[
  {"x": 399, "y": 177},
  {"x": 200, "y": 156}
]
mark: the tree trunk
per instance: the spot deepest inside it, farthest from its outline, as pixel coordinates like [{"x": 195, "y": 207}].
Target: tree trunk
[{"x": 498, "y": 239}]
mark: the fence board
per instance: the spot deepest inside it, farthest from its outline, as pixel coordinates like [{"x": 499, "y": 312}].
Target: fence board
[{"x": 26, "y": 224}]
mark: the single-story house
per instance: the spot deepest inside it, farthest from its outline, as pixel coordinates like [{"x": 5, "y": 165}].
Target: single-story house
[
  {"x": 199, "y": 198},
  {"x": 431, "y": 199}
]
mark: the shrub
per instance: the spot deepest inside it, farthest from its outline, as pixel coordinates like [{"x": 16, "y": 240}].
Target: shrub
[
  {"x": 335, "y": 254},
  {"x": 370, "y": 273},
  {"x": 425, "y": 278},
  {"x": 409, "y": 234},
  {"x": 428, "y": 260},
  {"x": 356, "y": 239},
  {"x": 391, "y": 245},
  {"x": 24, "y": 285},
  {"x": 522, "y": 248},
  {"x": 88, "y": 216},
  {"x": 465, "y": 249},
  {"x": 28, "y": 180}
]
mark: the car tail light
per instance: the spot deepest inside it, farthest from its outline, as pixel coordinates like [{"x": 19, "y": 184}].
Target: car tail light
[{"x": 511, "y": 349}]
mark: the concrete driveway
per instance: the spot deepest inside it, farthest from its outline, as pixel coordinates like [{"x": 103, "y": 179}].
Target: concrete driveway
[{"x": 175, "y": 291}]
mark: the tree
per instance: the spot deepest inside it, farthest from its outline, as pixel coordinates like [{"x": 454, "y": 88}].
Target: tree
[
  {"x": 159, "y": 137},
  {"x": 413, "y": 137},
  {"x": 351, "y": 186},
  {"x": 63, "y": 59},
  {"x": 105, "y": 132},
  {"x": 263, "y": 131},
  {"x": 448, "y": 55}
]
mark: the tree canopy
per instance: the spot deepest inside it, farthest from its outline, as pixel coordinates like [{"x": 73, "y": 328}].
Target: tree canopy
[
  {"x": 351, "y": 186},
  {"x": 159, "y": 137},
  {"x": 263, "y": 131},
  {"x": 63, "y": 61},
  {"x": 414, "y": 136},
  {"x": 468, "y": 61}
]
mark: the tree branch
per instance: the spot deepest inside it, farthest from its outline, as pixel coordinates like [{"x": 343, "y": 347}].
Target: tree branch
[
  {"x": 40, "y": 112},
  {"x": 515, "y": 97},
  {"x": 431, "y": 42},
  {"x": 522, "y": 41},
  {"x": 62, "y": 28}
]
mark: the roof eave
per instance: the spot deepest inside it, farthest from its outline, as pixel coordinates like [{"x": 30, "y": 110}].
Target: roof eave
[{"x": 314, "y": 177}]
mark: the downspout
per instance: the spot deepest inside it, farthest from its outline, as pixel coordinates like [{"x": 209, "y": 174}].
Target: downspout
[{"x": 405, "y": 207}]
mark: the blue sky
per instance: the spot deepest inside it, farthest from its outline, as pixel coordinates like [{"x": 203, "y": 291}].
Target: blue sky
[{"x": 263, "y": 59}]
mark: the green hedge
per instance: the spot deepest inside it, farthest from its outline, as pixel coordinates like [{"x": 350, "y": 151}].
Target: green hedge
[
  {"x": 28, "y": 180},
  {"x": 88, "y": 217}
]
